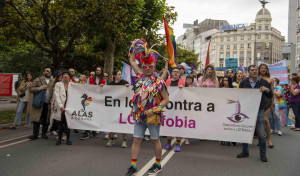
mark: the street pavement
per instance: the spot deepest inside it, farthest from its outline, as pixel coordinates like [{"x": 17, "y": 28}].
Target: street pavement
[
  {"x": 19, "y": 156},
  {"x": 8, "y": 103}
]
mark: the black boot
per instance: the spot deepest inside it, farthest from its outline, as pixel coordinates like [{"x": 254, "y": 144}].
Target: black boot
[{"x": 58, "y": 142}]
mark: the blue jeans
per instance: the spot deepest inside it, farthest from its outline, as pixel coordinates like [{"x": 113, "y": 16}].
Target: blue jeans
[
  {"x": 140, "y": 128},
  {"x": 260, "y": 130},
  {"x": 20, "y": 110},
  {"x": 274, "y": 118},
  {"x": 296, "y": 110}
]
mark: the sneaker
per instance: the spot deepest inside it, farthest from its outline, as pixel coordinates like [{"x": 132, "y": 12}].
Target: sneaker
[
  {"x": 95, "y": 134},
  {"x": 33, "y": 137},
  {"x": 168, "y": 146},
  {"x": 68, "y": 142},
  {"x": 85, "y": 136},
  {"x": 243, "y": 155},
  {"x": 53, "y": 133},
  {"x": 44, "y": 136},
  {"x": 131, "y": 171},
  {"x": 187, "y": 141},
  {"x": 271, "y": 131},
  {"x": 110, "y": 143},
  {"x": 147, "y": 138},
  {"x": 263, "y": 158},
  {"x": 106, "y": 137},
  {"x": 124, "y": 144},
  {"x": 279, "y": 133},
  {"x": 154, "y": 169},
  {"x": 177, "y": 148}
]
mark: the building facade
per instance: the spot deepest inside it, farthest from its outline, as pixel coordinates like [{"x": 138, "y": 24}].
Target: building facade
[
  {"x": 197, "y": 38},
  {"x": 296, "y": 68},
  {"x": 258, "y": 41}
]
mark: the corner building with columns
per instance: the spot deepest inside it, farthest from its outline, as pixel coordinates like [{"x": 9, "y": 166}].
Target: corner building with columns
[{"x": 258, "y": 41}]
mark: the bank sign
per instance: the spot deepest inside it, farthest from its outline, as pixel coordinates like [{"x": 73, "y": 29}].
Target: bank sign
[{"x": 233, "y": 27}]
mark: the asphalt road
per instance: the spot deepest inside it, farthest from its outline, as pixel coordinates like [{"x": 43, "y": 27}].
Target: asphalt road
[{"x": 91, "y": 157}]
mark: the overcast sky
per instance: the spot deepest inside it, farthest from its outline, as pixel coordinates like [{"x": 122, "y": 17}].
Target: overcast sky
[{"x": 234, "y": 11}]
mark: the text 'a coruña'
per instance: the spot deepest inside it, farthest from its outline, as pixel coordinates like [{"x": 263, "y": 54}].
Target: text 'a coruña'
[{"x": 176, "y": 105}]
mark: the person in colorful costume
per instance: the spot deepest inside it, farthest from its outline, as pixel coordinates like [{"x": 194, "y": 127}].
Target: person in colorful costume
[{"x": 150, "y": 97}]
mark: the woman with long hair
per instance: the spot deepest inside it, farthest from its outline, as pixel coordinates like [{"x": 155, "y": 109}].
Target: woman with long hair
[
  {"x": 238, "y": 77},
  {"x": 23, "y": 100},
  {"x": 295, "y": 100},
  {"x": 209, "y": 78},
  {"x": 263, "y": 72},
  {"x": 61, "y": 96}
]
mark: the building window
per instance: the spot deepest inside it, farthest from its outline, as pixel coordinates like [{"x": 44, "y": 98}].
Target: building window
[
  {"x": 258, "y": 45},
  {"x": 267, "y": 45},
  {"x": 221, "y": 46},
  {"x": 248, "y": 62},
  {"x": 248, "y": 54},
  {"x": 235, "y": 46},
  {"x": 258, "y": 36},
  {"x": 221, "y": 56},
  {"x": 222, "y": 39},
  {"x": 242, "y": 55},
  {"x": 228, "y": 55},
  {"x": 266, "y": 36},
  {"x": 249, "y": 37},
  {"x": 228, "y": 46},
  {"x": 235, "y": 38},
  {"x": 241, "y": 61},
  {"x": 258, "y": 56},
  {"x": 266, "y": 55},
  {"x": 228, "y": 38},
  {"x": 242, "y": 37},
  {"x": 214, "y": 48},
  {"x": 235, "y": 55},
  {"x": 221, "y": 64},
  {"x": 266, "y": 27},
  {"x": 249, "y": 45},
  {"x": 259, "y": 27},
  {"x": 242, "y": 45}
]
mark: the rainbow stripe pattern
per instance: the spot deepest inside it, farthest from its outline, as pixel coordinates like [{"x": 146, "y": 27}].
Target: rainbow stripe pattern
[
  {"x": 88, "y": 101},
  {"x": 230, "y": 101},
  {"x": 171, "y": 44}
]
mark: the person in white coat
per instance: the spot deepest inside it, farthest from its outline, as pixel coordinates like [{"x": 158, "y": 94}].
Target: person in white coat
[{"x": 61, "y": 96}]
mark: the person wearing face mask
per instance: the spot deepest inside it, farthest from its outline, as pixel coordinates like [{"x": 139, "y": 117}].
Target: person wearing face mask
[
  {"x": 209, "y": 78},
  {"x": 41, "y": 115},
  {"x": 150, "y": 98}
]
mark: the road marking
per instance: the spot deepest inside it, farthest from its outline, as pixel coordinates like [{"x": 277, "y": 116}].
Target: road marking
[
  {"x": 14, "y": 143},
  {"x": 150, "y": 163},
  {"x": 14, "y": 138}
]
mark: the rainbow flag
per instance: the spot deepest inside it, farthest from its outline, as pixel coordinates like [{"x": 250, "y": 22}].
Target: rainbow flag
[
  {"x": 207, "y": 55},
  {"x": 230, "y": 101},
  {"x": 171, "y": 44}
]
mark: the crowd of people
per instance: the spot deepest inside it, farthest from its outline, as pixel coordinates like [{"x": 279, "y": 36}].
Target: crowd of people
[{"x": 273, "y": 113}]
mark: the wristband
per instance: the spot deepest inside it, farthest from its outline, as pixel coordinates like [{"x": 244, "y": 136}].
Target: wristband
[{"x": 158, "y": 109}]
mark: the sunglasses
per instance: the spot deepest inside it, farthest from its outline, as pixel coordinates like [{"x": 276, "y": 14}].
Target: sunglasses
[{"x": 149, "y": 67}]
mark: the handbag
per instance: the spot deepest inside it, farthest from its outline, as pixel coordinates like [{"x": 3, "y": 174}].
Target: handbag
[
  {"x": 22, "y": 94},
  {"x": 281, "y": 104},
  {"x": 38, "y": 98},
  {"x": 152, "y": 120}
]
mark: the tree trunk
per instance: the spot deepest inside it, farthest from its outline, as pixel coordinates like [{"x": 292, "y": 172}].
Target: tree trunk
[
  {"x": 110, "y": 54},
  {"x": 2, "y": 5}
]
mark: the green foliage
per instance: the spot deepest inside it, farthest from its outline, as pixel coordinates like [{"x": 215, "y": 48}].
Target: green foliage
[{"x": 8, "y": 116}]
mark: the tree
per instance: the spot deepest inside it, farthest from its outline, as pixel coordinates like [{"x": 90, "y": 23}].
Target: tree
[
  {"x": 2, "y": 5},
  {"x": 53, "y": 26}
]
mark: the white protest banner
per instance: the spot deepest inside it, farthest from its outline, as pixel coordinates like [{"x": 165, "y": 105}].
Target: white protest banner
[
  {"x": 214, "y": 114},
  {"x": 278, "y": 70}
]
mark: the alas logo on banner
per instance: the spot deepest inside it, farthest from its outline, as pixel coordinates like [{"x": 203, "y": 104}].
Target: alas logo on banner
[
  {"x": 237, "y": 117},
  {"x": 83, "y": 114}
]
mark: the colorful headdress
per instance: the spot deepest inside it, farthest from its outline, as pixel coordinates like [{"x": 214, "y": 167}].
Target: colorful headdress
[{"x": 143, "y": 54}]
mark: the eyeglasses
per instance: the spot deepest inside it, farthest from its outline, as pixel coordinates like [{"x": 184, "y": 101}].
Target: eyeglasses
[
  {"x": 149, "y": 67},
  {"x": 175, "y": 71}
]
